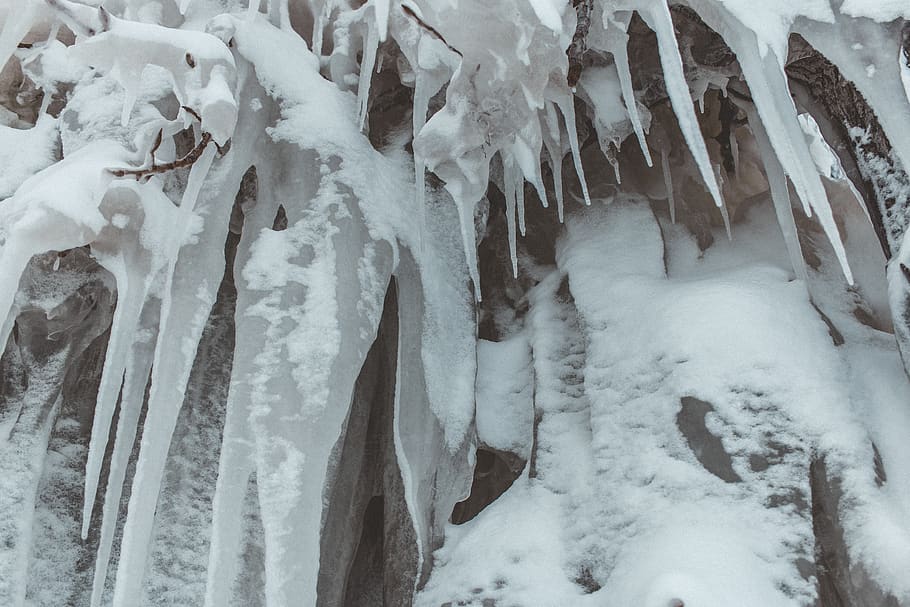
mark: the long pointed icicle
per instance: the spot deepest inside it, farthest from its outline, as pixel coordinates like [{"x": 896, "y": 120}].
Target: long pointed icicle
[
  {"x": 520, "y": 203},
  {"x": 508, "y": 177},
  {"x": 724, "y": 212},
  {"x": 13, "y": 261},
  {"x": 566, "y": 105},
  {"x": 621, "y": 58},
  {"x": 381, "y": 9},
  {"x": 234, "y": 469},
  {"x": 657, "y": 15},
  {"x": 469, "y": 240},
  {"x": 134, "y": 384},
  {"x": 367, "y": 65},
  {"x": 553, "y": 142},
  {"x": 237, "y": 462},
  {"x": 780, "y": 194},
  {"x": 777, "y": 112},
  {"x": 668, "y": 182},
  {"x": 130, "y": 298},
  {"x": 422, "y": 94},
  {"x": 190, "y": 294}
]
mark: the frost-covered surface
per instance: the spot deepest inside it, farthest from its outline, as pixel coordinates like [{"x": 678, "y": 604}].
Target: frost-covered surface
[{"x": 207, "y": 205}]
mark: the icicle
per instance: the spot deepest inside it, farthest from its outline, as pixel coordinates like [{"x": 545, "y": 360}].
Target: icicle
[
  {"x": 520, "y": 203},
  {"x": 723, "y": 204},
  {"x": 319, "y": 19},
  {"x": 422, "y": 94},
  {"x": 130, "y": 80},
  {"x": 284, "y": 16},
  {"x": 527, "y": 155},
  {"x": 381, "y": 10},
  {"x": 734, "y": 151},
  {"x": 508, "y": 178},
  {"x": 370, "y": 45},
  {"x": 657, "y": 15},
  {"x": 189, "y": 294},
  {"x": 777, "y": 112},
  {"x": 567, "y": 107},
  {"x": 668, "y": 182},
  {"x": 134, "y": 384},
  {"x": 614, "y": 162},
  {"x": 184, "y": 5},
  {"x": 553, "y": 142},
  {"x": 234, "y": 469},
  {"x": 197, "y": 177},
  {"x": 236, "y": 463},
  {"x": 621, "y": 58},
  {"x": 130, "y": 298},
  {"x": 253, "y": 9},
  {"x": 469, "y": 240},
  {"x": 780, "y": 193}
]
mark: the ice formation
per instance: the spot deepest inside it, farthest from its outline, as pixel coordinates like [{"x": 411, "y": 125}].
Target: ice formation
[{"x": 290, "y": 317}]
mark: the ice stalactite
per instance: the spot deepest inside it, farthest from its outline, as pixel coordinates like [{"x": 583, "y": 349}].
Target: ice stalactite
[
  {"x": 566, "y": 106},
  {"x": 186, "y": 303},
  {"x": 121, "y": 250},
  {"x": 724, "y": 211},
  {"x": 613, "y": 38},
  {"x": 367, "y": 66},
  {"x": 657, "y": 15},
  {"x": 135, "y": 381},
  {"x": 237, "y": 462},
  {"x": 668, "y": 182},
  {"x": 775, "y": 107},
  {"x": 520, "y": 204},
  {"x": 509, "y": 172},
  {"x": 552, "y": 139},
  {"x": 780, "y": 193},
  {"x": 436, "y": 469},
  {"x": 295, "y": 363},
  {"x": 301, "y": 384}
]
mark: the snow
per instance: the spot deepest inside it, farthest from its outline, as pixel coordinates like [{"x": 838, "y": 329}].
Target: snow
[
  {"x": 24, "y": 152},
  {"x": 505, "y": 411},
  {"x": 877, "y": 10},
  {"x": 200, "y": 65},
  {"x": 21, "y": 461}
]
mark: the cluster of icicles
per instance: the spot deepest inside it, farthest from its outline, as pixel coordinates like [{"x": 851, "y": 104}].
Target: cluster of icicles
[{"x": 504, "y": 66}]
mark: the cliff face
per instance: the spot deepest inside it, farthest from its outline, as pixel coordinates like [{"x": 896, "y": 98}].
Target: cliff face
[{"x": 452, "y": 303}]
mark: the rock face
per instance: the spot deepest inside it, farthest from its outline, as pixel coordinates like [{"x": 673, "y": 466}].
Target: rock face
[{"x": 841, "y": 581}]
